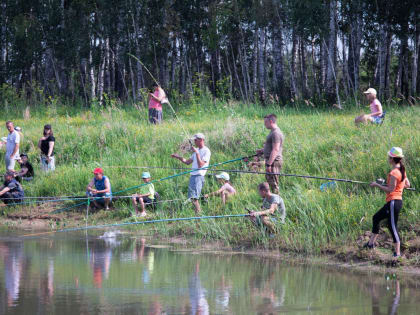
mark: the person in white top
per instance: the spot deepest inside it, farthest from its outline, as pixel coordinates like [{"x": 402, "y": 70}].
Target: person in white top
[
  {"x": 199, "y": 159},
  {"x": 12, "y": 147},
  {"x": 226, "y": 190}
]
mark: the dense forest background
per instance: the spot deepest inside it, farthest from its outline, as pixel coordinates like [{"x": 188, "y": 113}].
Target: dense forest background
[{"x": 267, "y": 51}]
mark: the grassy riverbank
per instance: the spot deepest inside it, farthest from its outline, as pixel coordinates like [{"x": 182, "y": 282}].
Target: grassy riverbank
[{"x": 318, "y": 142}]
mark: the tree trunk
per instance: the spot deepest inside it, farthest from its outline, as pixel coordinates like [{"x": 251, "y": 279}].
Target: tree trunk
[
  {"x": 331, "y": 53},
  {"x": 381, "y": 63},
  {"x": 355, "y": 44},
  {"x": 304, "y": 73},
  {"x": 295, "y": 44},
  {"x": 107, "y": 73},
  {"x": 255, "y": 64},
  {"x": 414, "y": 68},
  {"x": 278, "y": 68},
  {"x": 314, "y": 72},
  {"x": 92, "y": 74}
]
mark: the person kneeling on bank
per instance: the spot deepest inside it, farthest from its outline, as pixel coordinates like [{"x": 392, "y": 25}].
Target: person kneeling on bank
[
  {"x": 100, "y": 186},
  {"x": 26, "y": 169},
  {"x": 226, "y": 190},
  {"x": 146, "y": 195},
  {"x": 272, "y": 209},
  {"x": 11, "y": 191}
]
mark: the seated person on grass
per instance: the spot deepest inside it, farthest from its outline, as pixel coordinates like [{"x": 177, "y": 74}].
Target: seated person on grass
[
  {"x": 375, "y": 115},
  {"x": 271, "y": 209},
  {"x": 100, "y": 186},
  {"x": 11, "y": 191},
  {"x": 26, "y": 170},
  {"x": 146, "y": 195},
  {"x": 226, "y": 190}
]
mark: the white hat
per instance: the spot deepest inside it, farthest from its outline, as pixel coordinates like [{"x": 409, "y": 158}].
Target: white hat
[
  {"x": 223, "y": 175},
  {"x": 199, "y": 136},
  {"x": 18, "y": 129},
  {"x": 370, "y": 91}
]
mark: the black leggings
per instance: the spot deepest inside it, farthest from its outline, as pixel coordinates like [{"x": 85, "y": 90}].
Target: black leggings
[{"x": 390, "y": 211}]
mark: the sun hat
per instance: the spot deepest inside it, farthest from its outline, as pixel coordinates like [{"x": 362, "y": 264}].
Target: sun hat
[
  {"x": 199, "y": 136},
  {"x": 145, "y": 175},
  {"x": 396, "y": 152},
  {"x": 98, "y": 170},
  {"x": 223, "y": 175},
  {"x": 370, "y": 91}
]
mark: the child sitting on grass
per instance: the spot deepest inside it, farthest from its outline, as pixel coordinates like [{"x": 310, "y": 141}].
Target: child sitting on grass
[
  {"x": 226, "y": 190},
  {"x": 375, "y": 109},
  {"x": 146, "y": 195}
]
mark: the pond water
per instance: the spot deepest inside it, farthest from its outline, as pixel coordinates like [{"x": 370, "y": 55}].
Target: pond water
[{"x": 78, "y": 273}]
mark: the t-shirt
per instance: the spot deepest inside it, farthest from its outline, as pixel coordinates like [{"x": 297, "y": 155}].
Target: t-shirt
[
  {"x": 30, "y": 172},
  {"x": 45, "y": 145},
  {"x": 204, "y": 156},
  {"x": 398, "y": 191},
  {"x": 275, "y": 136},
  {"x": 229, "y": 188},
  {"x": 375, "y": 107},
  {"x": 12, "y": 139},
  {"x": 160, "y": 94},
  {"x": 267, "y": 202},
  {"x": 14, "y": 187},
  {"x": 148, "y": 189}
]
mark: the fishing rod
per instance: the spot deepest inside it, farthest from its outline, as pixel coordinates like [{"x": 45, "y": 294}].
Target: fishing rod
[
  {"x": 155, "y": 181},
  {"x": 266, "y": 173},
  {"x": 166, "y": 99},
  {"x": 104, "y": 226}
]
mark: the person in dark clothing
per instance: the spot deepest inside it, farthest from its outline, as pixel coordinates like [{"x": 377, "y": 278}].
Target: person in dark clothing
[
  {"x": 26, "y": 169},
  {"x": 11, "y": 191},
  {"x": 46, "y": 145}
]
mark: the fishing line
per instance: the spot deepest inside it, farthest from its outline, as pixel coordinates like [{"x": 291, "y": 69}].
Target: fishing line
[
  {"x": 104, "y": 226},
  {"x": 166, "y": 100}
]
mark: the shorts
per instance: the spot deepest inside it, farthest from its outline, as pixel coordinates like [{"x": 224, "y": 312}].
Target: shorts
[
  {"x": 376, "y": 120},
  {"x": 195, "y": 186},
  {"x": 10, "y": 163},
  {"x": 155, "y": 116},
  {"x": 146, "y": 200},
  {"x": 47, "y": 166},
  {"x": 107, "y": 195}
]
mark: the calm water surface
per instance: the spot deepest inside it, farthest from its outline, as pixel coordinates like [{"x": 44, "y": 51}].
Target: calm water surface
[{"x": 85, "y": 274}]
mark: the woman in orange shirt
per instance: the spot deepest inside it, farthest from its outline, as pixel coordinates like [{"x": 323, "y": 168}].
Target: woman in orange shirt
[{"x": 396, "y": 182}]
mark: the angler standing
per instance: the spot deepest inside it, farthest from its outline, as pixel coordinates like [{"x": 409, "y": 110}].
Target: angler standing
[
  {"x": 12, "y": 147},
  {"x": 199, "y": 159},
  {"x": 156, "y": 99},
  {"x": 396, "y": 182},
  {"x": 273, "y": 152}
]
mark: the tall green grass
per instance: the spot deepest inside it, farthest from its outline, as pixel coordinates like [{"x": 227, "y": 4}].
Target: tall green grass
[{"x": 317, "y": 142}]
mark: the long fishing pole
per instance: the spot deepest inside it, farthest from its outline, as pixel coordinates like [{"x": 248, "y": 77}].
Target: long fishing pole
[
  {"x": 167, "y": 100},
  {"x": 266, "y": 173},
  {"x": 141, "y": 222}
]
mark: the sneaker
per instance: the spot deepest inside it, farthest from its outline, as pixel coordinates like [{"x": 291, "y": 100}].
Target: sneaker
[
  {"x": 369, "y": 246},
  {"x": 143, "y": 214},
  {"x": 107, "y": 208}
]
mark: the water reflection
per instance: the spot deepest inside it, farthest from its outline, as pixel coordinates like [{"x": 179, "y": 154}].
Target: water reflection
[{"x": 123, "y": 275}]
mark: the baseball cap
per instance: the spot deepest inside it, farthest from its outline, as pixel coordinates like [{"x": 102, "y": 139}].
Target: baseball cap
[
  {"x": 199, "y": 136},
  {"x": 145, "y": 175},
  {"x": 23, "y": 154},
  {"x": 98, "y": 170},
  {"x": 223, "y": 175},
  {"x": 396, "y": 152},
  {"x": 18, "y": 129},
  {"x": 370, "y": 91},
  {"x": 9, "y": 173}
]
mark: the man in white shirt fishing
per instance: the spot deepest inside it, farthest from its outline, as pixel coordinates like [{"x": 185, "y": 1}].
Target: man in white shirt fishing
[{"x": 199, "y": 159}]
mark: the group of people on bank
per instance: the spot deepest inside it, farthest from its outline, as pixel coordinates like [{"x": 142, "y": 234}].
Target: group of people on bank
[{"x": 272, "y": 209}]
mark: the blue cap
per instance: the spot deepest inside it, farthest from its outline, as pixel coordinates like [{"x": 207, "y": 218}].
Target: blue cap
[{"x": 145, "y": 175}]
